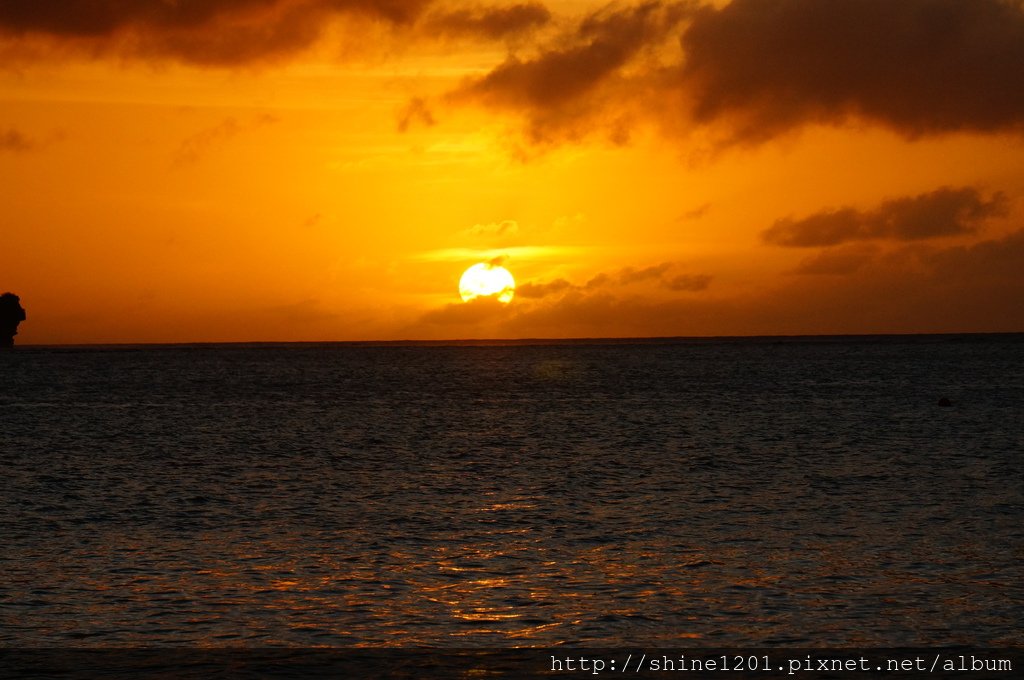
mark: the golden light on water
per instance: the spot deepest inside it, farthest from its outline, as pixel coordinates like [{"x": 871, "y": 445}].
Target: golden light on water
[{"x": 487, "y": 280}]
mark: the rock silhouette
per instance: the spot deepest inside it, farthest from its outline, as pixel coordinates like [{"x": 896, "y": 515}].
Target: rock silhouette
[{"x": 11, "y": 314}]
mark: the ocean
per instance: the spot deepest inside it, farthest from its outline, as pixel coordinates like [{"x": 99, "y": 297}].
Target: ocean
[{"x": 679, "y": 493}]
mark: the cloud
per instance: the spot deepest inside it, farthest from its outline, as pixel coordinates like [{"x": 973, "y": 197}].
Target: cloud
[
  {"x": 15, "y": 141},
  {"x": 203, "y": 32},
  {"x": 558, "y": 86},
  {"x": 998, "y": 261},
  {"x": 225, "y": 33},
  {"x": 943, "y": 212},
  {"x": 627, "y": 276},
  {"x": 837, "y": 261},
  {"x": 466, "y": 313},
  {"x": 917, "y": 66},
  {"x": 689, "y": 282},
  {"x": 577, "y": 313},
  {"x": 916, "y": 288},
  {"x": 630, "y": 275},
  {"x": 919, "y": 288},
  {"x": 751, "y": 70},
  {"x": 91, "y": 18},
  {"x": 656, "y": 273},
  {"x": 684, "y": 282},
  {"x": 536, "y": 301},
  {"x": 488, "y": 22},
  {"x": 415, "y": 111},
  {"x": 540, "y": 290},
  {"x": 192, "y": 149}
]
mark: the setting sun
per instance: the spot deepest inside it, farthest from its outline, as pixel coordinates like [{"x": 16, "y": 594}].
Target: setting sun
[{"x": 487, "y": 280}]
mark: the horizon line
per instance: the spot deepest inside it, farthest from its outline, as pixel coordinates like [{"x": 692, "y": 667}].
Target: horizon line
[{"x": 538, "y": 341}]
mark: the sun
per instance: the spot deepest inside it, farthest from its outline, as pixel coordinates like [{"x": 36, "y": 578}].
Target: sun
[{"x": 487, "y": 280}]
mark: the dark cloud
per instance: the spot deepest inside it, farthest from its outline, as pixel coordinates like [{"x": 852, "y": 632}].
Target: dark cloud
[
  {"x": 918, "y": 288},
  {"x": 631, "y": 275},
  {"x": 13, "y": 140},
  {"x": 534, "y": 300},
  {"x": 692, "y": 283},
  {"x": 475, "y": 311},
  {"x": 95, "y": 18},
  {"x": 841, "y": 260},
  {"x": 656, "y": 273},
  {"x": 553, "y": 87},
  {"x": 919, "y": 66},
  {"x": 540, "y": 290},
  {"x": 236, "y": 32},
  {"x": 92, "y": 18},
  {"x": 943, "y": 212},
  {"x": 598, "y": 281},
  {"x": 415, "y": 111},
  {"x": 755, "y": 69},
  {"x": 205, "y": 32},
  {"x": 999, "y": 261},
  {"x": 489, "y": 22},
  {"x": 577, "y": 313},
  {"x": 606, "y": 282},
  {"x": 685, "y": 282}
]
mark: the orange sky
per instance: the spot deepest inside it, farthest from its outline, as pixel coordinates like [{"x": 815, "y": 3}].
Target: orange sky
[{"x": 267, "y": 170}]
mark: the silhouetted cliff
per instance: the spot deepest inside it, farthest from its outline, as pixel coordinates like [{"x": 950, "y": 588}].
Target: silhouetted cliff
[{"x": 11, "y": 314}]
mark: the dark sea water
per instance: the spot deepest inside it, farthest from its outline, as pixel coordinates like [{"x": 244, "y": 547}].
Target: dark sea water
[{"x": 666, "y": 494}]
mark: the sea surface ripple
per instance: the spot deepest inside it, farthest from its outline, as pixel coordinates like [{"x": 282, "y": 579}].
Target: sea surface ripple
[{"x": 673, "y": 494}]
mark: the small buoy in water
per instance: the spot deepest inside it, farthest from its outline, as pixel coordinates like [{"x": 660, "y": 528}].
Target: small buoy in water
[{"x": 945, "y": 402}]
